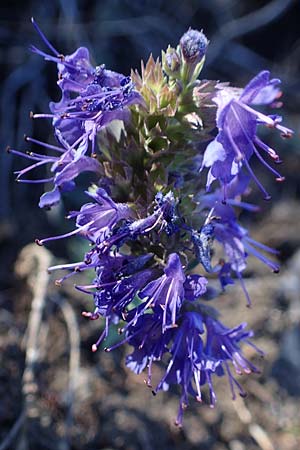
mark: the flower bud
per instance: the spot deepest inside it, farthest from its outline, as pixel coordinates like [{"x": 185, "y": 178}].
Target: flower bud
[
  {"x": 171, "y": 61},
  {"x": 193, "y": 45}
]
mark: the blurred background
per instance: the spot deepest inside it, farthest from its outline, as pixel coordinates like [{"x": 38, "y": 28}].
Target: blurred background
[{"x": 56, "y": 394}]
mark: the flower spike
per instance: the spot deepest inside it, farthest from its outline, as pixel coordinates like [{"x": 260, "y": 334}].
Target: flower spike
[{"x": 156, "y": 234}]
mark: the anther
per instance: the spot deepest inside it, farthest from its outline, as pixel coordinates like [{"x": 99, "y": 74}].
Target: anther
[
  {"x": 243, "y": 394},
  {"x": 286, "y": 135},
  {"x": 178, "y": 424}
]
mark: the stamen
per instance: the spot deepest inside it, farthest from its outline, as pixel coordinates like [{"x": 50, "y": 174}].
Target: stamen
[
  {"x": 149, "y": 379},
  {"x": 123, "y": 341},
  {"x": 230, "y": 378},
  {"x": 57, "y": 59},
  {"x": 62, "y": 236},
  {"x": 257, "y": 349},
  {"x": 91, "y": 316},
  {"x": 213, "y": 398},
  {"x": 42, "y": 116},
  {"x": 277, "y": 174},
  {"x": 285, "y": 132},
  {"x": 239, "y": 276},
  {"x": 234, "y": 381},
  {"x": 84, "y": 291},
  {"x": 30, "y": 155},
  {"x": 44, "y": 144},
  {"x": 102, "y": 336},
  {"x": 267, "y": 196},
  {"x": 197, "y": 382},
  {"x": 48, "y": 44},
  {"x": 29, "y": 168},
  {"x": 267, "y": 261},
  {"x": 45, "y": 180},
  {"x": 262, "y": 246},
  {"x": 269, "y": 150},
  {"x": 244, "y": 205}
]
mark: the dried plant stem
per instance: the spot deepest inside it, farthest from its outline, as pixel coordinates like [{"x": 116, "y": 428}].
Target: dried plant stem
[
  {"x": 260, "y": 435},
  {"x": 74, "y": 360},
  {"x": 31, "y": 264},
  {"x": 34, "y": 263}
]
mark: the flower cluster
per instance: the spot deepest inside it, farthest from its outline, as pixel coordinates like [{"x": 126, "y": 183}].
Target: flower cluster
[{"x": 151, "y": 224}]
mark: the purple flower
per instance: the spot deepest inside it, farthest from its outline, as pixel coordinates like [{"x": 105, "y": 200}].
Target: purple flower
[
  {"x": 118, "y": 281},
  {"x": 164, "y": 218},
  {"x": 75, "y": 68},
  {"x": 80, "y": 119},
  {"x": 225, "y": 229},
  {"x": 149, "y": 343},
  {"x": 187, "y": 347},
  {"x": 164, "y": 294},
  {"x": 96, "y": 220},
  {"x": 194, "y": 362},
  {"x": 65, "y": 167},
  {"x": 222, "y": 225},
  {"x": 106, "y": 215},
  {"x": 188, "y": 362},
  {"x": 236, "y": 240},
  {"x": 76, "y": 267},
  {"x": 113, "y": 297},
  {"x": 237, "y": 140},
  {"x": 261, "y": 90},
  {"x": 237, "y": 245},
  {"x": 229, "y": 194},
  {"x": 224, "y": 344},
  {"x": 91, "y": 97},
  {"x": 104, "y": 265},
  {"x": 121, "y": 265}
]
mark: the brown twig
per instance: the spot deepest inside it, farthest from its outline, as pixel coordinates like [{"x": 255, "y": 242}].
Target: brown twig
[
  {"x": 255, "y": 430},
  {"x": 31, "y": 264},
  {"x": 74, "y": 360}
]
